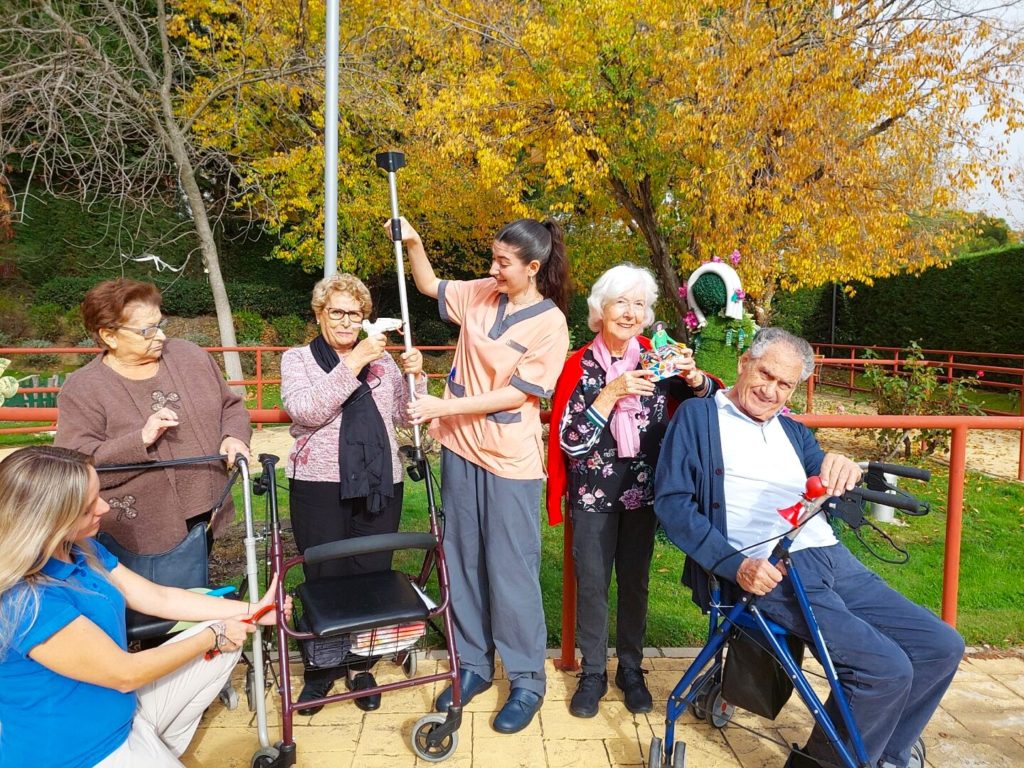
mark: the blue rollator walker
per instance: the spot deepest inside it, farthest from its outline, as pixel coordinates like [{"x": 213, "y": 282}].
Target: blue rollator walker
[{"x": 717, "y": 682}]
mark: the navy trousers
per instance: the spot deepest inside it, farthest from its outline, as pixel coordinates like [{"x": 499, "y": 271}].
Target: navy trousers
[{"x": 894, "y": 658}]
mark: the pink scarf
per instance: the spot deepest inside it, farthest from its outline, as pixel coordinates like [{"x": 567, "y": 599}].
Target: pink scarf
[{"x": 624, "y": 423}]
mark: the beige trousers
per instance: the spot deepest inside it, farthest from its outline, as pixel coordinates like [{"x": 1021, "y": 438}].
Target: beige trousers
[{"x": 169, "y": 710}]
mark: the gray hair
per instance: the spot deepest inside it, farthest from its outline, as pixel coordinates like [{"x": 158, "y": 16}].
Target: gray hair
[
  {"x": 766, "y": 337},
  {"x": 616, "y": 282}
]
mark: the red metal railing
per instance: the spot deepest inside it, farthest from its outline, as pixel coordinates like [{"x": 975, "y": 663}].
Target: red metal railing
[
  {"x": 1008, "y": 368},
  {"x": 861, "y": 363}
]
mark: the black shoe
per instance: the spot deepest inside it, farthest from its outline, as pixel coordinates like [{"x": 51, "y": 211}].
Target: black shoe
[
  {"x": 591, "y": 687},
  {"x": 630, "y": 681},
  {"x": 315, "y": 689},
  {"x": 518, "y": 712},
  {"x": 361, "y": 682},
  {"x": 471, "y": 683}
]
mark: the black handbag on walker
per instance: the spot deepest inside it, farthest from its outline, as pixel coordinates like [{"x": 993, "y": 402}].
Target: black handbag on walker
[{"x": 753, "y": 679}]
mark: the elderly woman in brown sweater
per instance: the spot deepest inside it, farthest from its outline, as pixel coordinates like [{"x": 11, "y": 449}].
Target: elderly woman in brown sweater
[{"x": 144, "y": 398}]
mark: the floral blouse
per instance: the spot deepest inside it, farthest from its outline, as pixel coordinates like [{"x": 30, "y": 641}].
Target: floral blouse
[{"x": 599, "y": 480}]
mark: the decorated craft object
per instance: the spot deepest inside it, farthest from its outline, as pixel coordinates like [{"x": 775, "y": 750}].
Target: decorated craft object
[
  {"x": 662, "y": 360},
  {"x": 703, "y": 299},
  {"x": 8, "y": 384}
]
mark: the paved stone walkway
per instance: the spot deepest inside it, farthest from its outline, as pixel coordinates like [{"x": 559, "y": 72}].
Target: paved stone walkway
[{"x": 980, "y": 725}]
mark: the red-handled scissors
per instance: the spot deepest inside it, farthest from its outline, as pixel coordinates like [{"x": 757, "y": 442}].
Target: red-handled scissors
[{"x": 258, "y": 615}]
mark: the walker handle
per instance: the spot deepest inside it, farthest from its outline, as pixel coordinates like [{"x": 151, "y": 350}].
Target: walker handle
[
  {"x": 914, "y": 473},
  {"x": 896, "y": 500}
]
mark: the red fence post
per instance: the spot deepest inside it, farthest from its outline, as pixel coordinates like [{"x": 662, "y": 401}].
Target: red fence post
[
  {"x": 1020, "y": 447},
  {"x": 852, "y": 379},
  {"x": 567, "y": 661},
  {"x": 954, "y": 524}
]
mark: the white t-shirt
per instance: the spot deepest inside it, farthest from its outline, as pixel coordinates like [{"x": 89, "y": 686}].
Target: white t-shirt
[{"x": 763, "y": 474}]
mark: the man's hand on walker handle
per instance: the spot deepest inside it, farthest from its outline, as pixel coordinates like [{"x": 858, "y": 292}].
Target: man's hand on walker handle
[
  {"x": 838, "y": 474},
  {"x": 759, "y": 577}
]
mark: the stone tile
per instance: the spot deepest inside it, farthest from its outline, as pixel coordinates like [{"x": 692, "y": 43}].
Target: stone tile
[
  {"x": 1014, "y": 682},
  {"x": 680, "y": 653},
  {"x": 1011, "y": 664},
  {"x": 612, "y": 721},
  {"x": 753, "y": 751},
  {"x": 944, "y": 726},
  {"x": 576, "y": 753},
  {"x": 985, "y": 708},
  {"x": 518, "y": 750},
  {"x": 667, "y": 663},
  {"x": 977, "y": 753},
  {"x": 385, "y": 735}
]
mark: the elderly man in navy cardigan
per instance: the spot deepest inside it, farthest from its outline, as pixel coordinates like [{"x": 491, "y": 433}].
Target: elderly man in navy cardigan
[{"x": 727, "y": 465}]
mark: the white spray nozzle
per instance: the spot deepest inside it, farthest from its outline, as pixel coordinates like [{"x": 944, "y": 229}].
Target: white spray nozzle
[{"x": 382, "y": 325}]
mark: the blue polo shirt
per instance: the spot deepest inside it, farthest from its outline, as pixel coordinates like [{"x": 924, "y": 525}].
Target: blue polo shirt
[{"x": 47, "y": 719}]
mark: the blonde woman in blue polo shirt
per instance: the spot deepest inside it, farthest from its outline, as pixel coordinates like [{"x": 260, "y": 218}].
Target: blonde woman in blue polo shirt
[{"x": 70, "y": 693}]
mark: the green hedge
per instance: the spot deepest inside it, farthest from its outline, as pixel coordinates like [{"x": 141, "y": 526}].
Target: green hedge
[
  {"x": 190, "y": 298},
  {"x": 974, "y": 304}
]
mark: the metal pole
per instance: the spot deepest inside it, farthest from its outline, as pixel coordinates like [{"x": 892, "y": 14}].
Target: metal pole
[
  {"x": 954, "y": 524},
  {"x": 331, "y": 141},
  {"x": 391, "y": 162}
]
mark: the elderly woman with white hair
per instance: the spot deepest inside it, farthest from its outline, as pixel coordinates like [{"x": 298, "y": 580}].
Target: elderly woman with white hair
[{"x": 610, "y": 416}]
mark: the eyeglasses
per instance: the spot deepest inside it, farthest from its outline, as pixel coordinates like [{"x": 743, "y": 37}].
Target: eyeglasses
[
  {"x": 337, "y": 315},
  {"x": 149, "y": 332}
]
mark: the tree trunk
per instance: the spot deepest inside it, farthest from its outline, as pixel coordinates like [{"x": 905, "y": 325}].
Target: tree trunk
[
  {"x": 763, "y": 307},
  {"x": 642, "y": 210}
]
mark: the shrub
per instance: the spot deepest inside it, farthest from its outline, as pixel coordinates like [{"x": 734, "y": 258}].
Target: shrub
[
  {"x": 432, "y": 332},
  {"x": 73, "y": 326},
  {"x": 248, "y": 328},
  {"x": 291, "y": 330},
  {"x": 47, "y": 320},
  {"x": 14, "y": 321},
  {"x": 914, "y": 389},
  {"x": 38, "y": 360}
]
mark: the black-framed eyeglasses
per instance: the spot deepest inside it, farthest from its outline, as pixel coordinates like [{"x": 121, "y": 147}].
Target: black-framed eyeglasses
[
  {"x": 149, "y": 332},
  {"x": 337, "y": 315}
]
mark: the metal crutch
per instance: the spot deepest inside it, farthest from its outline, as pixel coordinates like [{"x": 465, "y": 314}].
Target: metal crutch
[{"x": 391, "y": 162}]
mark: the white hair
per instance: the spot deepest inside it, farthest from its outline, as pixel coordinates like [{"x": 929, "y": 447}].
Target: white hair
[
  {"x": 766, "y": 337},
  {"x": 615, "y": 283}
]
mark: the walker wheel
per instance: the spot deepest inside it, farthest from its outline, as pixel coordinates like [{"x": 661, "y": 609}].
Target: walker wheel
[
  {"x": 410, "y": 664},
  {"x": 679, "y": 755},
  {"x": 250, "y": 688},
  {"x": 719, "y": 711},
  {"x": 265, "y": 758},
  {"x": 655, "y": 754},
  {"x": 433, "y": 753},
  {"x": 228, "y": 697},
  {"x": 917, "y": 755}
]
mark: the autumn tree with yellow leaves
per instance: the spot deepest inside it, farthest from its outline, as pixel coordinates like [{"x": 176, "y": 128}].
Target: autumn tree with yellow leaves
[{"x": 817, "y": 139}]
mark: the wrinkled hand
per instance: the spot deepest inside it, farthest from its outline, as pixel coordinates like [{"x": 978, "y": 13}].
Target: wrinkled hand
[
  {"x": 366, "y": 351},
  {"x": 631, "y": 383},
  {"x": 270, "y": 617},
  {"x": 412, "y": 362},
  {"x": 426, "y": 408},
  {"x": 233, "y": 447},
  {"x": 759, "y": 577},
  {"x": 157, "y": 424},
  {"x": 838, "y": 474},
  {"x": 409, "y": 235}
]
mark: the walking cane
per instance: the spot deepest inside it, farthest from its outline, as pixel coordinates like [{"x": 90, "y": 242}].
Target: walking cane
[{"x": 391, "y": 162}]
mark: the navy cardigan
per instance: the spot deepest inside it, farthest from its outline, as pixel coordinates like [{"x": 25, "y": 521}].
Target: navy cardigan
[{"x": 689, "y": 492}]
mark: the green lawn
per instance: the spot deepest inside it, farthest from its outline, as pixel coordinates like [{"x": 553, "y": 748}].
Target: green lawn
[{"x": 991, "y": 608}]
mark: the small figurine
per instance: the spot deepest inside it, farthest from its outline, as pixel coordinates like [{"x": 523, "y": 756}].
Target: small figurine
[{"x": 660, "y": 337}]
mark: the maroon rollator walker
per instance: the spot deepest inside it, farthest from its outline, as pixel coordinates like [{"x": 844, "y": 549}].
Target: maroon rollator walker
[{"x": 369, "y": 614}]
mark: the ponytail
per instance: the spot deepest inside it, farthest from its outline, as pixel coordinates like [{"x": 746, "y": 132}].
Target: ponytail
[
  {"x": 553, "y": 275},
  {"x": 542, "y": 242}
]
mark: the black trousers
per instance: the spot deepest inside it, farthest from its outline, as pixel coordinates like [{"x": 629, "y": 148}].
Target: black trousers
[
  {"x": 624, "y": 540},
  {"x": 319, "y": 516}
]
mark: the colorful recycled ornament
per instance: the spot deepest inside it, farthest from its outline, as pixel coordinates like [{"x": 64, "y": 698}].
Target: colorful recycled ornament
[{"x": 662, "y": 361}]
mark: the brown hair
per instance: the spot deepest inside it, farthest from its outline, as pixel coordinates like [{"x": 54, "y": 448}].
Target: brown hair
[
  {"x": 541, "y": 241},
  {"x": 104, "y": 305},
  {"x": 342, "y": 282}
]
